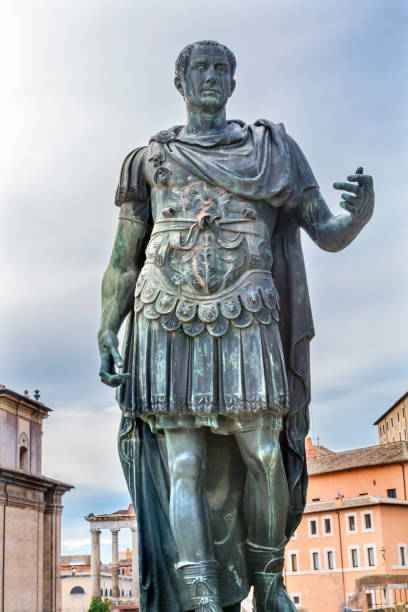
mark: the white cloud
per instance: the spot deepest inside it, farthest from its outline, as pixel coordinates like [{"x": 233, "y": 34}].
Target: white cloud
[{"x": 80, "y": 447}]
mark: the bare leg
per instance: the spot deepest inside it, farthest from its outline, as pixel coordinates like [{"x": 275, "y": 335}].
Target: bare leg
[
  {"x": 265, "y": 507},
  {"x": 266, "y": 492},
  {"x": 190, "y": 517},
  {"x": 189, "y": 514}
]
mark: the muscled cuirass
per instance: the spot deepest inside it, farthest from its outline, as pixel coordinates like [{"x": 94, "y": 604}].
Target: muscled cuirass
[{"x": 209, "y": 258}]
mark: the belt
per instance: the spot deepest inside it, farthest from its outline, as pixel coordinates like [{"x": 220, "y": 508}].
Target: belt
[{"x": 207, "y": 222}]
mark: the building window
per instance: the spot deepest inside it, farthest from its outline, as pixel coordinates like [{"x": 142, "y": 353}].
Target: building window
[
  {"x": 313, "y": 529},
  {"x": 293, "y": 561},
  {"x": 296, "y": 598},
  {"x": 392, "y": 422},
  {"x": 387, "y": 425},
  {"x": 367, "y": 520},
  {"x": 315, "y": 560},
  {"x": 402, "y": 555},
  {"x": 403, "y": 412},
  {"x": 23, "y": 453},
  {"x": 316, "y": 499},
  {"x": 351, "y": 523},
  {"x": 330, "y": 559},
  {"x": 370, "y": 555},
  {"x": 327, "y": 525},
  {"x": 77, "y": 590},
  {"x": 398, "y": 419},
  {"x": 354, "y": 556},
  {"x": 392, "y": 493}
]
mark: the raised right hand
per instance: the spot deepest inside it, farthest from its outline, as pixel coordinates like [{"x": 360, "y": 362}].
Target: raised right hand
[{"x": 110, "y": 357}]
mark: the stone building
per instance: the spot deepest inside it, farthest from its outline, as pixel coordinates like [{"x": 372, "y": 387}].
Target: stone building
[
  {"x": 30, "y": 510},
  {"x": 77, "y": 589},
  {"x": 393, "y": 424},
  {"x": 352, "y": 543}
]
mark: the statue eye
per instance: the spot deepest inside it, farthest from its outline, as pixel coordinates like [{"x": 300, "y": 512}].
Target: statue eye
[{"x": 221, "y": 68}]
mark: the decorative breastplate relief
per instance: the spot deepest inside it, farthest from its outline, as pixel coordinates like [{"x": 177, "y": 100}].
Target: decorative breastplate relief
[
  {"x": 206, "y": 239},
  {"x": 208, "y": 264}
]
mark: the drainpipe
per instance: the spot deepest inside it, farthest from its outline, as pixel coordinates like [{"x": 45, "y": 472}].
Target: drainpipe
[
  {"x": 4, "y": 550},
  {"x": 341, "y": 556},
  {"x": 403, "y": 479}
]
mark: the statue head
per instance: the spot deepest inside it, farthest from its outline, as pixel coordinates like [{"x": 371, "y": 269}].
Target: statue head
[{"x": 205, "y": 74}]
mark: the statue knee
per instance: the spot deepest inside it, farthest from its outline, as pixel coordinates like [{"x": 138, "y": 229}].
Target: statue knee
[
  {"x": 265, "y": 458},
  {"x": 187, "y": 465}
]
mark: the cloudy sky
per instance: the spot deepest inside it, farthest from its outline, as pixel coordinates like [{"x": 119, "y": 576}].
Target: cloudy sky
[{"x": 85, "y": 82}]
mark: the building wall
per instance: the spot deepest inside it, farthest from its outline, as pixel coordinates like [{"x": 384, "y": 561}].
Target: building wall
[
  {"x": 36, "y": 447},
  {"x": 327, "y": 590},
  {"x": 394, "y": 425},
  {"x": 374, "y": 480},
  {"x": 23, "y": 553},
  {"x": 395, "y": 532},
  {"x": 80, "y": 603},
  {"x": 8, "y": 438},
  {"x": 18, "y": 420}
]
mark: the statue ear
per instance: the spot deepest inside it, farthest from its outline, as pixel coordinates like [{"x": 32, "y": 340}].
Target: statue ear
[
  {"x": 232, "y": 88},
  {"x": 178, "y": 85}
]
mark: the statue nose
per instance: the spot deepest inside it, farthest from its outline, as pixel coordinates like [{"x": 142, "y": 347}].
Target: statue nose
[{"x": 210, "y": 76}]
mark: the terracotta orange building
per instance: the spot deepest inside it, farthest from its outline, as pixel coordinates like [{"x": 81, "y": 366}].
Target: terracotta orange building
[{"x": 351, "y": 546}]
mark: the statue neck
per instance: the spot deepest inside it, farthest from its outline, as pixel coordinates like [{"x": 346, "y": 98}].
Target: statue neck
[{"x": 201, "y": 123}]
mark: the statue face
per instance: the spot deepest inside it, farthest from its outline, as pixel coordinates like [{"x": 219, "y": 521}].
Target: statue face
[{"x": 208, "y": 81}]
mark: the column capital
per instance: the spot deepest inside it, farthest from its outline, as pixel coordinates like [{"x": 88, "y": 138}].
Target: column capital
[
  {"x": 94, "y": 530},
  {"x": 133, "y": 528},
  {"x": 115, "y": 530}
]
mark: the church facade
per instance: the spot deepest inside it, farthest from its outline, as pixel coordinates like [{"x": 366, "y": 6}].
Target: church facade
[{"x": 30, "y": 510}]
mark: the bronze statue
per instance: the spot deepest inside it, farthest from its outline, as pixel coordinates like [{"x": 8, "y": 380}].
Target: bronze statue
[{"x": 213, "y": 383}]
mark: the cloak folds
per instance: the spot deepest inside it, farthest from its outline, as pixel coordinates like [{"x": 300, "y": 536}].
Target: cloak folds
[{"x": 265, "y": 164}]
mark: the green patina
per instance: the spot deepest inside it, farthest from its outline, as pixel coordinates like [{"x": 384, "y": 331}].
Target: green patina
[{"x": 213, "y": 380}]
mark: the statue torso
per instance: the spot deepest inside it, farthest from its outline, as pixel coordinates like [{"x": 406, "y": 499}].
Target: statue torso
[{"x": 209, "y": 250}]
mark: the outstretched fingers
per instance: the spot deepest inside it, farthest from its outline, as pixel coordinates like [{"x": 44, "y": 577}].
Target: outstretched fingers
[
  {"x": 347, "y": 187},
  {"x": 359, "y": 177}
]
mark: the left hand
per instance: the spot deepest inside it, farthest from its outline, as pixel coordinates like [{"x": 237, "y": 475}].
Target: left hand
[{"x": 361, "y": 204}]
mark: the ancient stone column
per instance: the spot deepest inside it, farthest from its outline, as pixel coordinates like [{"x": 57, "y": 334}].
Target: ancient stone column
[
  {"x": 115, "y": 563},
  {"x": 135, "y": 565},
  {"x": 96, "y": 563}
]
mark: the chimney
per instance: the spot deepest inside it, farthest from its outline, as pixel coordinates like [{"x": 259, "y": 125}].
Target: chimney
[
  {"x": 339, "y": 499},
  {"x": 310, "y": 449}
]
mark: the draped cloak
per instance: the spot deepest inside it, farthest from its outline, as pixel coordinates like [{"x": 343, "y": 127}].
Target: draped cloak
[{"x": 255, "y": 162}]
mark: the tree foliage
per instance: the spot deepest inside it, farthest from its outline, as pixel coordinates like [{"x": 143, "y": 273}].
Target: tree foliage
[{"x": 97, "y": 605}]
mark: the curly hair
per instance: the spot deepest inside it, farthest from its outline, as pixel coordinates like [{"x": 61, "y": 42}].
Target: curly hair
[{"x": 184, "y": 57}]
